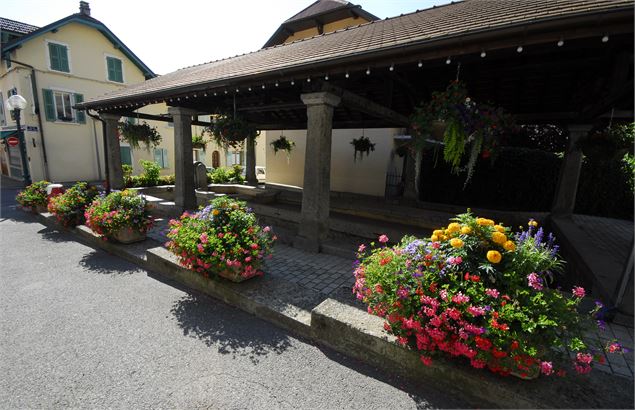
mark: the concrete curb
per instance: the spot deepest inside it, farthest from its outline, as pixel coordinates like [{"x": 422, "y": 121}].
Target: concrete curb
[{"x": 358, "y": 334}]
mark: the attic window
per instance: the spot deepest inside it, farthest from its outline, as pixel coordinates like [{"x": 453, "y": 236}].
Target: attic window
[{"x": 115, "y": 69}]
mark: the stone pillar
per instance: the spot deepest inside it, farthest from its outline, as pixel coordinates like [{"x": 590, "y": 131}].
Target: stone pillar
[
  {"x": 410, "y": 177},
  {"x": 314, "y": 220},
  {"x": 250, "y": 162},
  {"x": 184, "y": 195},
  {"x": 567, "y": 188},
  {"x": 113, "y": 150}
]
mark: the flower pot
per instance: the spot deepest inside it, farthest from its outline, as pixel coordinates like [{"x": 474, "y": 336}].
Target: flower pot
[
  {"x": 234, "y": 275},
  {"x": 437, "y": 130},
  {"x": 127, "y": 235}
]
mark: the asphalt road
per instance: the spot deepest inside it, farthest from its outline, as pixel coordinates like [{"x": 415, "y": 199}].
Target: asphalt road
[{"x": 81, "y": 328}]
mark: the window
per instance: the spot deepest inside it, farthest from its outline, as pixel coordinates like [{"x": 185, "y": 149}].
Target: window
[
  {"x": 234, "y": 158},
  {"x": 126, "y": 155},
  {"x": 161, "y": 157},
  {"x": 115, "y": 70},
  {"x": 58, "y": 106},
  {"x": 58, "y": 57}
]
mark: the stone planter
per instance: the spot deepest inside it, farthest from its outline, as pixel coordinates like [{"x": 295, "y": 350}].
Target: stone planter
[
  {"x": 128, "y": 235},
  {"x": 233, "y": 275}
]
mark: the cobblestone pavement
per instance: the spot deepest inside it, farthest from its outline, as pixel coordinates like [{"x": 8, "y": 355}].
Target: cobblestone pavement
[{"x": 332, "y": 275}]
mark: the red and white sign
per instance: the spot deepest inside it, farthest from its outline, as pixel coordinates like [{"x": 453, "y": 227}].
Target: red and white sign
[{"x": 13, "y": 141}]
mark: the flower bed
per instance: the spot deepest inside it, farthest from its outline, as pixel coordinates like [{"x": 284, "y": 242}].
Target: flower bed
[
  {"x": 34, "y": 196},
  {"x": 221, "y": 239},
  {"x": 69, "y": 207},
  {"x": 119, "y": 212},
  {"x": 476, "y": 290}
]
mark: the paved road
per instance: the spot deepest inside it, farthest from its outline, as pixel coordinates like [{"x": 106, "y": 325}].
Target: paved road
[{"x": 81, "y": 328}]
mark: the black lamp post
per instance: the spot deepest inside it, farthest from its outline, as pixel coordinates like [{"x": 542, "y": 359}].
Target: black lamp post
[{"x": 17, "y": 103}]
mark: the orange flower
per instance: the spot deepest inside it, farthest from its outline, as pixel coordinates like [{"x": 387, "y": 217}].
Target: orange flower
[{"x": 494, "y": 256}]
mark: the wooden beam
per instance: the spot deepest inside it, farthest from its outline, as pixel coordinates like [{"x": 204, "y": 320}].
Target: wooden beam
[
  {"x": 366, "y": 106},
  {"x": 273, "y": 107},
  {"x": 151, "y": 117}
]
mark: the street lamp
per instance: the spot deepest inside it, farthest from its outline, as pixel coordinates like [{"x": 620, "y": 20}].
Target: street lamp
[{"x": 17, "y": 103}]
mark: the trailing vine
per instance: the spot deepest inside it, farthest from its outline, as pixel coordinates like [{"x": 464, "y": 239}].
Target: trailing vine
[{"x": 136, "y": 134}]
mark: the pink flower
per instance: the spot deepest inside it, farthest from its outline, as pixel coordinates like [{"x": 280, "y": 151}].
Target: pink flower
[
  {"x": 444, "y": 294},
  {"x": 203, "y": 237},
  {"x": 361, "y": 248},
  {"x": 492, "y": 292},
  {"x": 383, "y": 239},
  {"x": 266, "y": 229},
  {"x": 578, "y": 292},
  {"x": 615, "y": 347},
  {"x": 534, "y": 281},
  {"x": 546, "y": 368},
  {"x": 585, "y": 358},
  {"x": 200, "y": 248},
  {"x": 248, "y": 259},
  {"x": 460, "y": 298},
  {"x": 436, "y": 245},
  {"x": 476, "y": 311}
]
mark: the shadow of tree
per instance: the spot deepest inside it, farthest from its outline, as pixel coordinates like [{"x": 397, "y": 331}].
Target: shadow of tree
[
  {"x": 228, "y": 329},
  {"x": 101, "y": 262},
  {"x": 56, "y": 235}
]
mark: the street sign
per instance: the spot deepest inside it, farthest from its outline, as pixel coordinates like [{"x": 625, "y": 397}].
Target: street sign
[{"x": 13, "y": 141}]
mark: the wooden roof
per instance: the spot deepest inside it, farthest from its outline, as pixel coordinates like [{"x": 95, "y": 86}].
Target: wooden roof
[{"x": 443, "y": 28}]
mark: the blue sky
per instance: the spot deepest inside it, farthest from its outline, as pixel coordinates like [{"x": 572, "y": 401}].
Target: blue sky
[{"x": 189, "y": 32}]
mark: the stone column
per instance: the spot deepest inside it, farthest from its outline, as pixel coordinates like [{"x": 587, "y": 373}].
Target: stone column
[
  {"x": 184, "y": 195},
  {"x": 113, "y": 150},
  {"x": 314, "y": 220},
  {"x": 250, "y": 162},
  {"x": 567, "y": 188}
]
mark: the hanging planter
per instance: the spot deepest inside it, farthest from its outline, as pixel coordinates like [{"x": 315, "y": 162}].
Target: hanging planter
[
  {"x": 137, "y": 134},
  {"x": 603, "y": 144},
  {"x": 231, "y": 131},
  {"x": 283, "y": 144},
  {"x": 199, "y": 142},
  {"x": 362, "y": 145}
]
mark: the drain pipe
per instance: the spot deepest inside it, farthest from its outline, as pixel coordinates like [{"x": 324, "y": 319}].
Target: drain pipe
[
  {"x": 36, "y": 103},
  {"x": 105, "y": 142}
]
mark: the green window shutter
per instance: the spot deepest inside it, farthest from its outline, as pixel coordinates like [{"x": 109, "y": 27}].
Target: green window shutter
[
  {"x": 158, "y": 157},
  {"x": 115, "y": 71},
  {"x": 63, "y": 53},
  {"x": 49, "y": 105},
  {"x": 59, "y": 57},
  {"x": 54, "y": 55},
  {"x": 126, "y": 155},
  {"x": 81, "y": 115}
]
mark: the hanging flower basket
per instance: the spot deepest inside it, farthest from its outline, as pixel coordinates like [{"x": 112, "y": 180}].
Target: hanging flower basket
[
  {"x": 231, "y": 131},
  {"x": 199, "y": 142},
  {"x": 137, "y": 134},
  {"x": 603, "y": 144},
  {"x": 362, "y": 145},
  {"x": 437, "y": 130},
  {"x": 282, "y": 144}
]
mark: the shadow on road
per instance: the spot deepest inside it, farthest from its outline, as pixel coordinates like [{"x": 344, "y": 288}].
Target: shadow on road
[
  {"x": 105, "y": 264},
  {"x": 228, "y": 329},
  {"x": 55, "y": 235}
]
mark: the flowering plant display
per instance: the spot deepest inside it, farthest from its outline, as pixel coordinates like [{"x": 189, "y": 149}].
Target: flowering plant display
[
  {"x": 223, "y": 239},
  {"x": 69, "y": 207},
  {"x": 361, "y": 145},
  {"x": 468, "y": 126},
  {"x": 135, "y": 134},
  {"x": 33, "y": 195},
  {"x": 121, "y": 209},
  {"x": 282, "y": 144},
  {"x": 476, "y": 290},
  {"x": 231, "y": 131}
]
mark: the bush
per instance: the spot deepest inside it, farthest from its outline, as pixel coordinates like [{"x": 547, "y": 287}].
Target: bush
[
  {"x": 69, "y": 207},
  {"x": 150, "y": 176},
  {"x": 34, "y": 195},
  {"x": 151, "y": 173},
  {"x": 223, "y": 237},
  {"x": 220, "y": 175},
  {"x": 476, "y": 290},
  {"x": 166, "y": 180},
  {"x": 124, "y": 209}
]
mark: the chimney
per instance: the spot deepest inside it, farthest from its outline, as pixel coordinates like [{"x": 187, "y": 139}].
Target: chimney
[{"x": 84, "y": 8}]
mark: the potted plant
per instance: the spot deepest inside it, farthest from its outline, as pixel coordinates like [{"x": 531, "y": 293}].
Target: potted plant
[
  {"x": 221, "y": 239},
  {"x": 122, "y": 215},
  {"x": 231, "y": 131},
  {"x": 69, "y": 206},
  {"x": 198, "y": 141},
  {"x": 136, "y": 134},
  {"x": 34, "y": 197},
  {"x": 605, "y": 143},
  {"x": 282, "y": 144},
  {"x": 362, "y": 145},
  {"x": 475, "y": 291}
]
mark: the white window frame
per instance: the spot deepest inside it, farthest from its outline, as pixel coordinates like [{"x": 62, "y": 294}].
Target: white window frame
[
  {"x": 123, "y": 72},
  {"x": 48, "y": 55},
  {"x": 73, "y": 111}
]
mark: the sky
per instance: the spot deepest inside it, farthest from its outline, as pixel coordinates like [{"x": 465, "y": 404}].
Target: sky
[{"x": 189, "y": 32}]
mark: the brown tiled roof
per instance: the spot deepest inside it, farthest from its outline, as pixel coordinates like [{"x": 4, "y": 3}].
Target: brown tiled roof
[
  {"x": 447, "y": 21},
  {"x": 16, "y": 26},
  {"x": 318, "y": 7}
]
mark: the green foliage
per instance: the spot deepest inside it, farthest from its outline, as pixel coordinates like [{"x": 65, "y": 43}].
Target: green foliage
[
  {"x": 150, "y": 176},
  {"x": 151, "y": 172},
  {"x": 198, "y": 141},
  {"x": 222, "y": 237},
  {"x": 137, "y": 134},
  {"x": 229, "y": 131},
  {"x": 33, "y": 195},
  {"x": 127, "y": 171},
  {"x": 362, "y": 145},
  {"x": 282, "y": 144},
  {"x": 124, "y": 209},
  {"x": 223, "y": 175},
  {"x": 167, "y": 180},
  {"x": 69, "y": 207}
]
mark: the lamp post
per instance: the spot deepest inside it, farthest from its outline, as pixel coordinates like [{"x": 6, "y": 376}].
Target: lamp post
[{"x": 17, "y": 103}]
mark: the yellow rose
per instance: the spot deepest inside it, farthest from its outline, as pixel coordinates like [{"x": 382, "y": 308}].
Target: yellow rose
[
  {"x": 499, "y": 228},
  {"x": 466, "y": 230},
  {"x": 499, "y": 238},
  {"x": 454, "y": 227},
  {"x": 494, "y": 256},
  {"x": 215, "y": 212},
  {"x": 456, "y": 243},
  {"x": 438, "y": 232},
  {"x": 434, "y": 238},
  {"x": 484, "y": 222},
  {"x": 509, "y": 246}
]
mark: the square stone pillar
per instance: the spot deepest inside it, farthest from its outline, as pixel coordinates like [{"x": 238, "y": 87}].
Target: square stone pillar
[
  {"x": 113, "y": 150},
  {"x": 184, "y": 194},
  {"x": 567, "y": 188},
  {"x": 314, "y": 220},
  {"x": 250, "y": 163}
]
